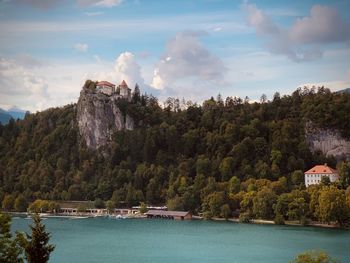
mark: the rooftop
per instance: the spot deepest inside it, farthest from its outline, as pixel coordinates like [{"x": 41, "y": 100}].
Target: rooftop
[
  {"x": 167, "y": 213},
  {"x": 105, "y": 83},
  {"x": 321, "y": 169},
  {"x": 123, "y": 83}
]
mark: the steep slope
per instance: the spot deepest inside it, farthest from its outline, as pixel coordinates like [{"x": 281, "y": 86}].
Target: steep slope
[
  {"x": 329, "y": 142},
  {"x": 98, "y": 117}
]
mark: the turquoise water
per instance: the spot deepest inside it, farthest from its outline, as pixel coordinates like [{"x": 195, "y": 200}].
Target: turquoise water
[{"x": 137, "y": 240}]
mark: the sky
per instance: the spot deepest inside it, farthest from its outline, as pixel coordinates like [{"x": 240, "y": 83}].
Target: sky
[{"x": 191, "y": 49}]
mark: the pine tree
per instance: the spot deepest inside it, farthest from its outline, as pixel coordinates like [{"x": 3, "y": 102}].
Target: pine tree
[
  {"x": 36, "y": 246},
  {"x": 10, "y": 251}
]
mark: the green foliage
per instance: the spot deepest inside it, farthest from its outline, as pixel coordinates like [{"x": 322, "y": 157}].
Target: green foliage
[
  {"x": 98, "y": 203},
  {"x": 344, "y": 172},
  {"x": 279, "y": 219},
  {"x": 332, "y": 206},
  {"x": 314, "y": 257},
  {"x": 43, "y": 206},
  {"x": 205, "y": 158},
  {"x": 21, "y": 204},
  {"x": 10, "y": 251},
  {"x": 8, "y": 202},
  {"x": 143, "y": 208},
  {"x": 36, "y": 245},
  {"x": 110, "y": 206},
  {"x": 263, "y": 203}
]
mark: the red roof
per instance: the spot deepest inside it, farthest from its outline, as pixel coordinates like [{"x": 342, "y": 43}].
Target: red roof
[
  {"x": 123, "y": 83},
  {"x": 321, "y": 169},
  {"x": 105, "y": 83}
]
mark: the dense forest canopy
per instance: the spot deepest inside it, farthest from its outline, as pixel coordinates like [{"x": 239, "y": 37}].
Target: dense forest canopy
[{"x": 183, "y": 157}]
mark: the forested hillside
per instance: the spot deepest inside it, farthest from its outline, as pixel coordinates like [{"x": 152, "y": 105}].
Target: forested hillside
[{"x": 203, "y": 158}]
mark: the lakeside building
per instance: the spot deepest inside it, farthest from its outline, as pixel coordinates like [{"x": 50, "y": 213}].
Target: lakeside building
[
  {"x": 73, "y": 211},
  {"x": 315, "y": 174},
  {"x": 177, "y": 215}
]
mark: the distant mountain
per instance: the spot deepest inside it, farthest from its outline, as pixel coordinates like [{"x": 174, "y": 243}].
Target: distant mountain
[
  {"x": 344, "y": 91},
  {"x": 4, "y": 116},
  {"x": 13, "y": 112},
  {"x": 17, "y": 113}
]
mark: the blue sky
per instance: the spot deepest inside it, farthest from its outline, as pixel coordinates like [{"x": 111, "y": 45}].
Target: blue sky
[{"x": 184, "y": 48}]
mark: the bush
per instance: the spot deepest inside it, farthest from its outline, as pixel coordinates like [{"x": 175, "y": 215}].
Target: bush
[
  {"x": 279, "y": 219},
  {"x": 244, "y": 218},
  {"x": 314, "y": 257}
]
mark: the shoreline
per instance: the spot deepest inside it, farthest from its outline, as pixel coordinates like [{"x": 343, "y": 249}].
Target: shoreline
[
  {"x": 217, "y": 219},
  {"x": 287, "y": 223}
]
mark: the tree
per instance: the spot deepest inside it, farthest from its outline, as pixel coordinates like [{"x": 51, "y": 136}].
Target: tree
[
  {"x": 110, "y": 206},
  {"x": 98, "y": 203},
  {"x": 36, "y": 246},
  {"x": 282, "y": 205},
  {"x": 297, "y": 177},
  {"x": 213, "y": 203},
  {"x": 8, "y": 202},
  {"x": 332, "y": 206},
  {"x": 298, "y": 209},
  {"x": 325, "y": 180},
  {"x": 225, "y": 211},
  {"x": 10, "y": 251},
  {"x": 314, "y": 257},
  {"x": 234, "y": 185},
  {"x": 21, "y": 204},
  {"x": 226, "y": 168},
  {"x": 344, "y": 173},
  {"x": 263, "y": 203},
  {"x": 143, "y": 208}
]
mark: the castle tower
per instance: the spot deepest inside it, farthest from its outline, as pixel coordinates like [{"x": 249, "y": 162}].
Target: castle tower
[{"x": 125, "y": 91}]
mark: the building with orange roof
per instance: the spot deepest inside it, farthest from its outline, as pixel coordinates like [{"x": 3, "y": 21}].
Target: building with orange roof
[
  {"x": 105, "y": 87},
  {"x": 315, "y": 174},
  {"x": 124, "y": 90}
]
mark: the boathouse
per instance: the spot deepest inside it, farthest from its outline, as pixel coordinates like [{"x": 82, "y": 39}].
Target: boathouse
[{"x": 177, "y": 215}]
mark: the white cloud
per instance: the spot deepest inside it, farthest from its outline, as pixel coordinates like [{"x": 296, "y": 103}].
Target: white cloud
[
  {"x": 127, "y": 68},
  {"x": 81, "y": 47},
  {"x": 260, "y": 21},
  {"x": 19, "y": 85},
  {"x": 305, "y": 38},
  {"x": 186, "y": 57},
  {"x": 217, "y": 29},
  {"x": 27, "y": 60},
  {"x": 101, "y": 3},
  {"x": 322, "y": 26},
  {"x": 332, "y": 85}
]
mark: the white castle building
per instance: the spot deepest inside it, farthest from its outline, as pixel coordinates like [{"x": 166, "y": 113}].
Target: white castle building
[
  {"x": 315, "y": 174},
  {"x": 107, "y": 88}
]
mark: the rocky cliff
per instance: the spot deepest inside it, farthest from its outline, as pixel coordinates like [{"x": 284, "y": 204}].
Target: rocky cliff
[
  {"x": 330, "y": 142},
  {"x": 98, "y": 117}
]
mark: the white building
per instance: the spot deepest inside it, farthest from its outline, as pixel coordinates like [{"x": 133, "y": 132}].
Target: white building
[
  {"x": 105, "y": 87},
  {"x": 124, "y": 90},
  {"x": 315, "y": 174}
]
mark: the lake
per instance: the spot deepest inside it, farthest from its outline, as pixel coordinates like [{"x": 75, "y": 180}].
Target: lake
[{"x": 140, "y": 240}]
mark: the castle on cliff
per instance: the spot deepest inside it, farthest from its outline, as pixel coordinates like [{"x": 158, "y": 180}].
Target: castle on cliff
[{"x": 121, "y": 91}]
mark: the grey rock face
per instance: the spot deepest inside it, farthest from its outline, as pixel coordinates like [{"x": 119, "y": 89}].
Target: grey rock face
[
  {"x": 330, "y": 142},
  {"x": 98, "y": 117}
]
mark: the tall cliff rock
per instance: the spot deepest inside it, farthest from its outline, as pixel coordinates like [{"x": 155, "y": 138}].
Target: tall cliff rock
[
  {"x": 98, "y": 117},
  {"x": 330, "y": 142}
]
